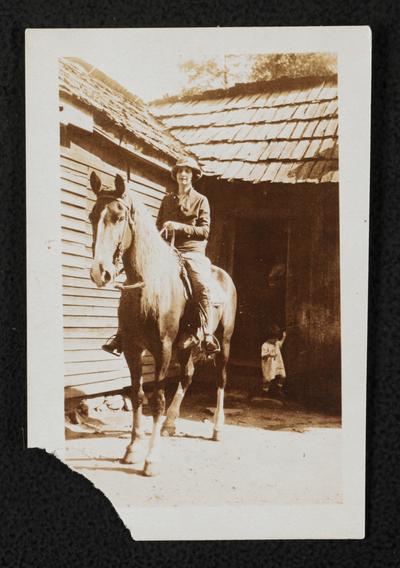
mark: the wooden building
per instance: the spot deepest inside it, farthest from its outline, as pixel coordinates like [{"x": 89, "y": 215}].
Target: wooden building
[
  {"x": 104, "y": 128},
  {"x": 270, "y": 150}
]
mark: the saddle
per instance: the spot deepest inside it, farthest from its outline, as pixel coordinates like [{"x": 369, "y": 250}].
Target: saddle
[{"x": 216, "y": 294}]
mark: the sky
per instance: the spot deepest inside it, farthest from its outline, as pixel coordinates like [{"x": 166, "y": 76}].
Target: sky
[
  {"x": 162, "y": 76},
  {"x": 149, "y": 78},
  {"x": 146, "y": 62}
]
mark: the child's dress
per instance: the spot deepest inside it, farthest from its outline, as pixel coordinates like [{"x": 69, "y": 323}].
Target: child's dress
[{"x": 272, "y": 362}]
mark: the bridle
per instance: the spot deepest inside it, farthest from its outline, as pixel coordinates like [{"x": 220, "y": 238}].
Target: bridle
[{"x": 120, "y": 250}]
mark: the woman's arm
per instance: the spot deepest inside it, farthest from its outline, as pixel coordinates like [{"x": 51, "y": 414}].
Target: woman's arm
[{"x": 199, "y": 231}]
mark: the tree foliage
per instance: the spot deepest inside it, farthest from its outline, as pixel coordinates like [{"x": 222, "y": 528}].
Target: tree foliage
[
  {"x": 203, "y": 75},
  {"x": 225, "y": 72},
  {"x": 274, "y": 66}
]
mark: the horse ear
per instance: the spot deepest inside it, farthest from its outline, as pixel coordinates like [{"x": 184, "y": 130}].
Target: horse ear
[
  {"x": 95, "y": 182},
  {"x": 119, "y": 185}
]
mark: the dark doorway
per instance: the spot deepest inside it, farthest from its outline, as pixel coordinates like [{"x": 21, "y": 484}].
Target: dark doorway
[{"x": 259, "y": 273}]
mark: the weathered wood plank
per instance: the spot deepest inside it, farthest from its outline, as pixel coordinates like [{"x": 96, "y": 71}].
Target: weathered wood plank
[
  {"x": 84, "y": 301},
  {"x": 80, "y": 344},
  {"x": 89, "y": 332},
  {"x": 95, "y": 378},
  {"x": 149, "y": 202},
  {"x": 83, "y": 283},
  {"x": 140, "y": 180},
  {"x": 72, "y": 369},
  {"x": 90, "y": 367},
  {"x": 77, "y": 249},
  {"x": 75, "y": 225},
  {"x": 74, "y": 199},
  {"x": 81, "y": 178},
  {"x": 97, "y": 388},
  {"x": 85, "y": 287},
  {"x": 101, "y": 387},
  {"x": 75, "y": 271},
  {"x": 77, "y": 237},
  {"x": 77, "y": 261},
  {"x": 79, "y": 310},
  {"x": 75, "y": 212},
  {"x": 85, "y": 378},
  {"x": 74, "y": 165},
  {"x": 88, "y": 321},
  {"x": 76, "y": 188},
  {"x": 144, "y": 192},
  {"x": 85, "y": 355}
]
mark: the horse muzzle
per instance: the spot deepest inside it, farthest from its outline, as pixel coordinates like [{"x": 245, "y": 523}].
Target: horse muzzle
[{"x": 101, "y": 274}]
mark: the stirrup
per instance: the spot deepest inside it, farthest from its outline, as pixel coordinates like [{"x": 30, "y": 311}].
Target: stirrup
[{"x": 112, "y": 346}]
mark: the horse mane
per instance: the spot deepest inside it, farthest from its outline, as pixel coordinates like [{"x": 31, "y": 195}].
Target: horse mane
[{"x": 153, "y": 262}]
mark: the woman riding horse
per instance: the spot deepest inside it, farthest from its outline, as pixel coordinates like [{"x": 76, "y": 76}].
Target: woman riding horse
[
  {"x": 153, "y": 300},
  {"x": 184, "y": 216}
]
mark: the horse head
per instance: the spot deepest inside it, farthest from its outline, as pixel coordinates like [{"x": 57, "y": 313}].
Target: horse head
[{"x": 111, "y": 218}]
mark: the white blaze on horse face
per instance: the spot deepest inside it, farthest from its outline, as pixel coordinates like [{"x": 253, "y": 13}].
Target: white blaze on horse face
[{"x": 103, "y": 270}]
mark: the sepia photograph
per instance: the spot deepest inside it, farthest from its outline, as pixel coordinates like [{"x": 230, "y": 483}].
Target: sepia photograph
[{"x": 200, "y": 248}]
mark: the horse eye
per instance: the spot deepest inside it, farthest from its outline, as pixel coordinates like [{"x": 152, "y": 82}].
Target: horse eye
[{"x": 120, "y": 219}]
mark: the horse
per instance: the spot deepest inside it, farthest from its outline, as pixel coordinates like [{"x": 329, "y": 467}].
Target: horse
[{"x": 152, "y": 308}]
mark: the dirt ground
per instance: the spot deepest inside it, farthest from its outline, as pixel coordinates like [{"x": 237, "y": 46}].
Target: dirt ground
[{"x": 271, "y": 452}]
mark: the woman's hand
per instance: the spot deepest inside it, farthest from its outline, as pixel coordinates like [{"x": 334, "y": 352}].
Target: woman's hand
[{"x": 172, "y": 226}]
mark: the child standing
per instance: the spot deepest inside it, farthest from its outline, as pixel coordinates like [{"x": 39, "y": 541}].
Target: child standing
[{"x": 272, "y": 365}]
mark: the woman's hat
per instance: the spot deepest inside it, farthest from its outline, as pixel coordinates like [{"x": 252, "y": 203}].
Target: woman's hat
[{"x": 187, "y": 162}]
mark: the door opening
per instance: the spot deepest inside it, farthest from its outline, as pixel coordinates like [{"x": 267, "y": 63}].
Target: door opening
[{"x": 259, "y": 273}]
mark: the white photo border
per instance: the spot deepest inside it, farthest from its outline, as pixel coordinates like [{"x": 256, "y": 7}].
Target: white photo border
[{"x": 44, "y": 309}]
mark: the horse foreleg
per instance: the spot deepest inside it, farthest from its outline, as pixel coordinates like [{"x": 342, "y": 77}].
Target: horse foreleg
[
  {"x": 132, "y": 453},
  {"x": 187, "y": 370},
  {"x": 162, "y": 360},
  {"x": 219, "y": 416}
]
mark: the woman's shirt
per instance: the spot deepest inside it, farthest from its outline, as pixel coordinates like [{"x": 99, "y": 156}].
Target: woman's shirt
[{"x": 193, "y": 211}]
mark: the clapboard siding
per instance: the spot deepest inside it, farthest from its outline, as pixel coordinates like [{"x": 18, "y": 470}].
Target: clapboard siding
[
  {"x": 73, "y": 272},
  {"x": 90, "y": 321},
  {"x": 71, "y": 298},
  {"x": 74, "y": 199},
  {"x": 77, "y": 261},
  {"x": 86, "y": 378},
  {"x": 75, "y": 248},
  {"x": 100, "y": 366},
  {"x": 75, "y": 237},
  {"x": 80, "y": 310},
  {"x": 72, "y": 289},
  {"x": 87, "y": 284},
  {"x": 84, "y": 355},
  {"x": 90, "y": 314}
]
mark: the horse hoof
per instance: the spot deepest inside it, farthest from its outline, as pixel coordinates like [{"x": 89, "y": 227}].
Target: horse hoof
[
  {"x": 216, "y": 436},
  {"x": 130, "y": 457},
  {"x": 151, "y": 469},
  {"x": 168, "y": 431}
]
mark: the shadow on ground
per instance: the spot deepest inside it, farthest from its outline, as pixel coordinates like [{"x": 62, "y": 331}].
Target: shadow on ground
[{"x": 240, "y": 410}]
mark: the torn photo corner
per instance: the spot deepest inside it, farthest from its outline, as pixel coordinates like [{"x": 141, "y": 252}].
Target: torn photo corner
[{"x": 197, "y": 241}]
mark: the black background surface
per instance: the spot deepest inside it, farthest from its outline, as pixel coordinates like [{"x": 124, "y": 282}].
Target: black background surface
[{"x": 50, "y": 516}]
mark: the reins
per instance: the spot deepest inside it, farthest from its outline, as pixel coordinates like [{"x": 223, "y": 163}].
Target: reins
[
  {"x": 128, "y": 222},
  {"x": 164, "y": 230}
]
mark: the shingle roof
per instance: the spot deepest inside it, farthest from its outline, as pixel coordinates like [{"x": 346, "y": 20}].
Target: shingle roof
[
  {"x": 82, "y": 82},
  {"x": 283, "y": 131}
]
